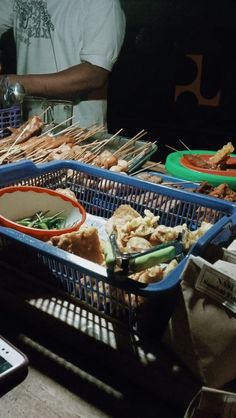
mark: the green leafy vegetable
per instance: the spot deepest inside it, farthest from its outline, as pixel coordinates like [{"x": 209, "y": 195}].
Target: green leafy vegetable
[{"x": 40, "y": 221}]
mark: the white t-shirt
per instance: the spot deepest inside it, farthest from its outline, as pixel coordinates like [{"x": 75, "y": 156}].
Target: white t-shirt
[{"x": 52, "y": 35}]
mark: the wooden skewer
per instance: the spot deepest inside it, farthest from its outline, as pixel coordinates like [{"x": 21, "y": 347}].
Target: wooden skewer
[
  {"x": 115, "y": 135},
  {"x": 131, "y": 141},
  {"x": 174, "y": 149},
  {"x": 82, "y": 136},
  {"x": 68, "y": 130},
  {"x": 45, "y": 111},
  {"x": 141, "y": 133},
  {"x": 185, "y": 146},
  {"x": 142, "y": 149},
  {"x": 106, "y": 141},
  {"x": 15, "y": 142},
  {"x": 129, "y": 148},
  {"x": 136, "y": 154},
  {"x": 145, "y": 168},
  {"x": 124, "y": 147},
  {"x": 177, "y": 183},
  {"x": 55, "y": 127}
]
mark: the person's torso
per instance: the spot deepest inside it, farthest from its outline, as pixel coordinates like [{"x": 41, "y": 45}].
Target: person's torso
[
  {"x": 49, "y": 38},
  {"x": 48, "y": 34}
]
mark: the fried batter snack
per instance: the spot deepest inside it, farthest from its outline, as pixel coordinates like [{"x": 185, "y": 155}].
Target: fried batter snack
[
  {"x": 190, "y": 237},
  {"x": 67, "y": 192},
  {"x": 222, "y": 155},
  {"x": 152, "y": 275},
  {"x": 85, "y": 243},
  {"x": 223, "y": 191},
  {"x": 163, "y": 234},
  {"x": 122, "y": 215},
  {"x": 127, "y": 223}
]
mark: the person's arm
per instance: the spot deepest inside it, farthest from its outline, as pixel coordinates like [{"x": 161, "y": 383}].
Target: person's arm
[{"x": 74, "y": 82}]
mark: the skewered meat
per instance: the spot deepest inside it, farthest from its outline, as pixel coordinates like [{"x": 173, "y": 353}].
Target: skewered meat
[
  {"x": 107, "y": 159},
  {"x": 32, "y": 127},
  {"x": 150, "y": 178}
]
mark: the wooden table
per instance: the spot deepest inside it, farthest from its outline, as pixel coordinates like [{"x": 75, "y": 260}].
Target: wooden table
[{"x": 82, "y": 364}]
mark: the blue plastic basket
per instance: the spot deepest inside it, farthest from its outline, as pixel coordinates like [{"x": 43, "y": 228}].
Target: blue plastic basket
[
  {"x": 101, "y": 192},
  {"x": 10, "y": 117}
]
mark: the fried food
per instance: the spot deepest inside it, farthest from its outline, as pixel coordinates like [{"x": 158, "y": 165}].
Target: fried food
[
  {"x": 67, "y": 192},
  {"x": 151, "y": 275},
  {"x": 32, "y": 127},
  {"x": 85, "y": 243},
  {"x": 127, "y": 223},
  {"x": 222, "y": 155},
  {"x": 155, "y": 273},
  {"x": 164, "y": 234},
  {"x": 223, "y": 191},
  {"x": 138, "y": 244},
  {"x": 190, "y": 237},
  {"x": 122, "y": 215}
]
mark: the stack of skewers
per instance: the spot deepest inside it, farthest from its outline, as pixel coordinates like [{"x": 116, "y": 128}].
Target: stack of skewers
[{"x": 30, "y": 141}]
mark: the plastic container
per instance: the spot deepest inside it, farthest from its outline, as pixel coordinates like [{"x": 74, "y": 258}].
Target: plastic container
[
  {"x": 10, "y": 117},
  {"x": 119, "y": 141},
  {"x": 20, "y": 202},
  {"x": 174, "y": 166},
  {"x": 100, "y": 192}
]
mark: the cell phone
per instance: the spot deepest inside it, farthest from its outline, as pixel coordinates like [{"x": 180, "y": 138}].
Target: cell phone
[{"x": 13, "y": 362}]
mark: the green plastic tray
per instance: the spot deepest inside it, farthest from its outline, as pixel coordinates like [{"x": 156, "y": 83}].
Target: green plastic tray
[{"x": 175, "y": 168}]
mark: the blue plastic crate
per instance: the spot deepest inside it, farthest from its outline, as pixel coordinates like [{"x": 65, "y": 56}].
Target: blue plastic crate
[
  {"x": 10, "y": 117},
  {"x": 101, "y": 192}
]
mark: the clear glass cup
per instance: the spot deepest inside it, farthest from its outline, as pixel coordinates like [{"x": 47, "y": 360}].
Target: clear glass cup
[
  {"x": 34, "y": 106},
  {"x": 53, "y": 112},
  {"x": 59, "y": 112}
]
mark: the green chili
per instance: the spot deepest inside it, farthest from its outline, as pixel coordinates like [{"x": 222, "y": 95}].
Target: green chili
[{"x": 40, "y": 221}]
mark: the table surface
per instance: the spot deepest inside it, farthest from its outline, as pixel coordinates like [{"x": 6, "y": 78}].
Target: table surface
[{"x": 82, "y": 364}]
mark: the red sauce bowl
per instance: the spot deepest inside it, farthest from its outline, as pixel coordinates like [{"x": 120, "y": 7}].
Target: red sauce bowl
[{"x": 186, "y": 161}]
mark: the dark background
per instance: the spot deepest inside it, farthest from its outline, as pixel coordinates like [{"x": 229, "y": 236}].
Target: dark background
[{"x": 160, "y": 36}]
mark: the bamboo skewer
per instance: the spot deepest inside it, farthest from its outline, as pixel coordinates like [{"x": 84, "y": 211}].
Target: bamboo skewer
[
  {"x": 146, "y": 168},
  {"x": 45, "y": 111},
  {"x": 55, "y": 127},
  {"x": 132, "y": 140},
  {"x": 185, "y": 146},
  {"x": 40, "y": 149},
  {"x": 16, "y": 141},
  {"x": 68, "y": 130},
  {"x": 174, "y": 149},
  {"x": 177, "y": 183}
]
